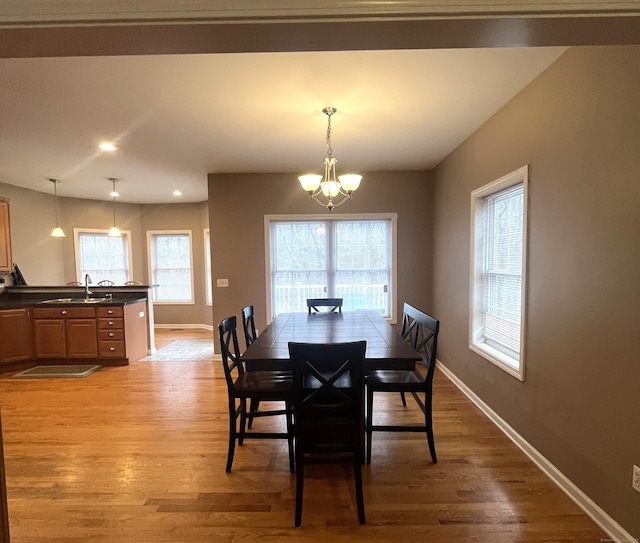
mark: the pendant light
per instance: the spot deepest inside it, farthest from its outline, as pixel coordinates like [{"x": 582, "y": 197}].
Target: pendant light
[
  {"x": 57, "y": 232},
  {"x": 114, "y": 231},
  {"x": 330, "y": 190}
]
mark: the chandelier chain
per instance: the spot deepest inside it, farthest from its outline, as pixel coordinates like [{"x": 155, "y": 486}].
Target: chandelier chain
[{"x": 329, "y": 148}]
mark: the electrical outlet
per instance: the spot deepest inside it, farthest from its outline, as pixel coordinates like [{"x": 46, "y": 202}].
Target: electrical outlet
[
  {"x": 222, "y": 283},
  {"x": 635, "y": 482}
]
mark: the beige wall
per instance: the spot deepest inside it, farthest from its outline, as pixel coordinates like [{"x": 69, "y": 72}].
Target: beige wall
[
  {"x": 578, "y": 126},
  {"x": 44, "y": 260},
  {"x": 239, "y": 202}
]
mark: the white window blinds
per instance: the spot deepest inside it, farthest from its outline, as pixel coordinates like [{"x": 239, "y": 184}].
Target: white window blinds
[{"x": 502, "y": 277}]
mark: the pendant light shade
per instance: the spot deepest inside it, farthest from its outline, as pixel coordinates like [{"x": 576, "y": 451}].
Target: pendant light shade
[{"x": 57, "y": 232}]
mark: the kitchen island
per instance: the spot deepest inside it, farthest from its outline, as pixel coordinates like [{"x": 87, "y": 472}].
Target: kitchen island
[{"x": 63, "y": 325}]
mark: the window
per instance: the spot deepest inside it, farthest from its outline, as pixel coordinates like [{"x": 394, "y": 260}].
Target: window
[
  {"x": 498, "y": 264},
  {"x": 352, "y": 257},
  {"x": 101, "y": 256},
  {"x": 170, "y": 266},
  {"x": 207, "y": 263}
]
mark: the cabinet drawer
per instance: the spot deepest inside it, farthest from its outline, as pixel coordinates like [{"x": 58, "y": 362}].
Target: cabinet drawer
[
  {"x": 111, "y": 349},
  {"x": 106, "y": 324},
  {"x": 110, "y": 311},
  {"x": 64, "y": 312},
  {"x": 111, "y": 335}
]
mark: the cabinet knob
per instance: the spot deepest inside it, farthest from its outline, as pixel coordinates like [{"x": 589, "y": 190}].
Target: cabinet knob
[
  {"x": 63, "y": 312},
  {"x": 111, "y": 334},
  {"x": 112, "y": 348},
  {"x": 110, "y": 323},
  {"x": 110, "y": 312}
]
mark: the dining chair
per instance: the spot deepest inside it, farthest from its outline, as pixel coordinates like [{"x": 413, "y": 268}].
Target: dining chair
[
  {"x": 328, "y": 406},
  {"x": 334, "y": 304},
  {"x": 422, "y": 331},
  {"x": 274, "y": 386},
  {"x": 106, "y": 283},
  {"x": 250, "y": 335},
  {"x": 249, "y": 325}
]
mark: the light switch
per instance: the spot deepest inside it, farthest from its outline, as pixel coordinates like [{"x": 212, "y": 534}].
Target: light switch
[{"x": 222, "y": 282}]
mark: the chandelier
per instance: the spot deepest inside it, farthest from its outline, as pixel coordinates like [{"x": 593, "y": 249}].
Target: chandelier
[{"x": 328, "y": 190}]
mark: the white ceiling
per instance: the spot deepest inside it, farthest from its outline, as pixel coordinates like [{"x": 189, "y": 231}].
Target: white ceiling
[{"x": 177, "y": 118}]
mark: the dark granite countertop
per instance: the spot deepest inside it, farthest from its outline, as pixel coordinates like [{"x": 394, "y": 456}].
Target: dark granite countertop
[{"x": 25, "y": 297}]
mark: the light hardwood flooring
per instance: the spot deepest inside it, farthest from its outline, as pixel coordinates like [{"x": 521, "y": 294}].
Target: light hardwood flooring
[{"x": 137, "y": 454}]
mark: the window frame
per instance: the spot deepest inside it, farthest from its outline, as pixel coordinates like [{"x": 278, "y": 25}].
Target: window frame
[
  {"x": 513, "y": 366},
  {"x": 76, "y": 248},
  {"x": 150, "y": 249},
  {"x": 392, "y": 217}
]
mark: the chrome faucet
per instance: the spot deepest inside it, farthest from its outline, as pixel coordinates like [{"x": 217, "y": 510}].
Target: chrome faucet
[{"x": 87, "y": 280}]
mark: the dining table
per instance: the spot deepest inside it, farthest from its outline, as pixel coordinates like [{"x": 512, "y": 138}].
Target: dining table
[{"x": 386, "y": 349}]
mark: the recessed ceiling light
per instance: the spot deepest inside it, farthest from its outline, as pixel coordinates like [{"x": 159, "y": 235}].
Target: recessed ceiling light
[
  {"x": 107, "y": 146},
  {"x": 177, "y": 192}
]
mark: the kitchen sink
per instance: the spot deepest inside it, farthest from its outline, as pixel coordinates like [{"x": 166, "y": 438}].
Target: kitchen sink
[{"x": 76, "y": 300}]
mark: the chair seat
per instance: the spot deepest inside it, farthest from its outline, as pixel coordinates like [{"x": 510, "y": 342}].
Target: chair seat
[
  {"x": 264, "y": 383},
  {"x": 396, "y": 380}
]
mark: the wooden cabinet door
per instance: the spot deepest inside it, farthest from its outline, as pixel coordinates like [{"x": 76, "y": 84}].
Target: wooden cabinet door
[
  {"x": 15, "y": 335},
  {"x": 49, "y": 338},
  {"x": 6, "y": 261},
  {"x": 82, "y": 338}
]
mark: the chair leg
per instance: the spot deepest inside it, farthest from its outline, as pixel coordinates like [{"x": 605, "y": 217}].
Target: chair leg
[
  {"x": 404, "y": 400},
  {"x": 289, "y": 416},
  {"x": 428, "y": 422},
  {"x": 253, "y": 407},
  {"x": 299, "y": 484},
  {"x": 357, "y": 476},
  {"x": 243, "y": 420},
  {"x": 232, "y": 433},
  {"x": 369, "y": 422}
]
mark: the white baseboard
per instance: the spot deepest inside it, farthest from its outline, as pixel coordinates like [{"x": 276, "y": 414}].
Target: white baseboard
[
  {"x": 185, "y": 326},
  {"x": 598, "y": 515}
]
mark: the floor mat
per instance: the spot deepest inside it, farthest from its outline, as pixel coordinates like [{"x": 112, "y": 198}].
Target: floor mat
[
  {"x": 183, "y": 349},
  {"x": 50, "y": 372}
]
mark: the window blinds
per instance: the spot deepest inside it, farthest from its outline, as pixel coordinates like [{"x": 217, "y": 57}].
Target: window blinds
[{"x": 502, "y": 273}]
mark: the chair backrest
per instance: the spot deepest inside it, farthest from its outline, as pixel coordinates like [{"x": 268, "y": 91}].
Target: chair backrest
[
  {"x": 230, "y": 351},
  {"x": 421, "y": 331},
  {"x": 132, "y": 283},
  {"x": 249, "y": 325},
  {"x": 327, "y": 377},
  {"x": 106, "y": 283},
  {"x": 334, "y": 304}
]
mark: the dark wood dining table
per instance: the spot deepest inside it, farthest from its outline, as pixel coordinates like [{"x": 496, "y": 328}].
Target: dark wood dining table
[{"x": 386, "y": 349}]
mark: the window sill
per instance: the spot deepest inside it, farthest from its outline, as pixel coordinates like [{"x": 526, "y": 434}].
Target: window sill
[{"x": 512, "y": 366}]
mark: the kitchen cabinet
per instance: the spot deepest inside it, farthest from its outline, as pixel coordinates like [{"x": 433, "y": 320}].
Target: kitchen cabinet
[
  {"x": 113, "y": 333},
  {"x": 6, "y": 261},
  {"x": 122, "y": 331},
  {"x": 15, "y": 335},
  {"x": 65, "y": 332}
]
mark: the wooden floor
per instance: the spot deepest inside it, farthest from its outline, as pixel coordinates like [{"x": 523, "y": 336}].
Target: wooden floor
[{"x": 137, "y": 454}]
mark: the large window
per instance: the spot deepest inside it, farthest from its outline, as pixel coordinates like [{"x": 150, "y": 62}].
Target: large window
[
  {"x": 171, "y": 266},
  {"x": 101, "y": 256},
  {"x": 498, "y": 264},
  {"x": 351, "y": 257}
]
